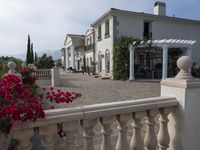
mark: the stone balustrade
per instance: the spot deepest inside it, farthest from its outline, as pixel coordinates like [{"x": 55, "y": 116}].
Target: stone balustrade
[
  {"x": 43, "y": 73},
  {"x": 84, "y": 119}
]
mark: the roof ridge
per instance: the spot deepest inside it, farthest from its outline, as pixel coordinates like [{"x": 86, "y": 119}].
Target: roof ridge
[{"x": 141, "y": 13}]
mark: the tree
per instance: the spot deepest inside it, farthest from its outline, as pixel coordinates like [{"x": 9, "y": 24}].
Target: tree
[
  {"x": 28, "y": 53},
  {"x": 36, "y": 58},
  {"x": 45, "y": 62},
  {"x": 31, "y": 54}
]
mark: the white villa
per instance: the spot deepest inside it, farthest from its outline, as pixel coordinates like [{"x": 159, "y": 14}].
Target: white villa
[
  {"x": 73, "y": 52},
  {"x": 116, "y": 23},
  {"x": 89, "y": 50}
]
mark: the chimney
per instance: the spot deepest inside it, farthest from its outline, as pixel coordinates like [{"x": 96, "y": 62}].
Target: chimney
[{"x": 159, "y": 8}]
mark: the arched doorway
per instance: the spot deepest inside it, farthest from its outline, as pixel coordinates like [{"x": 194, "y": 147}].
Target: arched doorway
[
  {"x": 99, "y": 62},
  {"x": 107, "y": 61}
]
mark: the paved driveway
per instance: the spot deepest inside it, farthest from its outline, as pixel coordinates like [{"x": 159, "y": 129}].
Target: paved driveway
[{"x": 96, "y": 90}]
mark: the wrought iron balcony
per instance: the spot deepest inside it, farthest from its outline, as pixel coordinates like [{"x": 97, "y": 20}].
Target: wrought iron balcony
[{"x": 89, "y": 47}]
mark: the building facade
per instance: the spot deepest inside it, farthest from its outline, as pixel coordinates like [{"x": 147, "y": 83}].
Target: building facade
[
  {"x": 90, "y": 61},
  {"x": 73, "y": 51},
  {"x": 116, "y": 23}
]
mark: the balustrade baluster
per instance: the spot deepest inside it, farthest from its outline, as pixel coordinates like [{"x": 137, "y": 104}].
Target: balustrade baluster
[
  {"x": 122, "y": 142},
  {"x": 150, "y": 140},
  {"x": 23, "y": 136},
  {"x": 136, "y": 140},
  {"x": 163, "y": 134},
  {"x": 48, "y": 136},
  {"x": 106, "y": 131},
  {"x": 70, "y": 129},
  {"x": 88, "y": 134}
]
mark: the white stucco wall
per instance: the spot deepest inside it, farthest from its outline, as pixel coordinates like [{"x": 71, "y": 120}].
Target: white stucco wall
[
  {"x": 162, "y": 28},
  {"x": 130, "y": 26},
  {"x": 88, "y": 56},
  {"x": 105, "y": 43}
]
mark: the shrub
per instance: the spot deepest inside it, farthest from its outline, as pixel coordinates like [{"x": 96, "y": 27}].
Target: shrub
[{"x": 121, "y": 57}]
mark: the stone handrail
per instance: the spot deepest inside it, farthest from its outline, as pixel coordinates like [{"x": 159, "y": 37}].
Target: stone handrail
[
  {"x": 43, "y": 73},
  {"x": 87, "y": 117}
]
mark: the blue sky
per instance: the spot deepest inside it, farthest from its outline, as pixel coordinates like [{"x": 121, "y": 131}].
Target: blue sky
[{"x": 48, "y": 21}]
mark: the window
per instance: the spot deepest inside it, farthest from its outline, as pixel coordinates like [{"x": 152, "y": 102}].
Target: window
[
  {"x": 147, "y": 34},
  {"x": 107, "y": 61},
  {"x": 99, "y": 32},
  {"x": 107, "y": 28},
  {"x": 87, "y": 41}
]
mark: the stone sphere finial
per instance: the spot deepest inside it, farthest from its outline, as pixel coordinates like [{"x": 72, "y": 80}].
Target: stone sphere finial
[
  {"x": 184, "y": 63},
  {"x": 23, "y": 65},
  {"x": 11, "y": 66}
]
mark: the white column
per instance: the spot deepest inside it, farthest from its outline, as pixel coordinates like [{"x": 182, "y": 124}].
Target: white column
[
  {"x": 184, "y": 122},
  {"x": 132, "y": 62},
  {"x": 55, "y": 77},
  {"x": 189, "y": 52},
  {"x": 67, "y": 58},
  {"x": 73, "y": 57},
  {"x": 165, "y": 62}
]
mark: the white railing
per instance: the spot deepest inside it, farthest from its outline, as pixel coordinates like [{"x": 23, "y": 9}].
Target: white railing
[
  {"x": 85, "y": 118},
  {"x": 43, "y": 73}
]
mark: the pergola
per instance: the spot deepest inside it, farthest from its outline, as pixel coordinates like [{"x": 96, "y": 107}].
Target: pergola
[{"x": 165, "y": 44}]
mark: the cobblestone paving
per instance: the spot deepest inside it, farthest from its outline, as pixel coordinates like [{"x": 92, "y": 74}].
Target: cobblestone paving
[{"x": 95, "y": 90}]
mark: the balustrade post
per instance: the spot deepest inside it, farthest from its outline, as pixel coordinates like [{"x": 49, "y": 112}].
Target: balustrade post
[
  {"x": 55, "y": 78},
  {"x": 163, "y": 134},
  {"x": 70, "y": 129},
  {"x": 88, "y": 134},
  {"x": 136, "y": 140},
  {"x": 122, "y": 120},
  {"x": 106, "y": 131},
  {"x": 48, "y": 136},
  {"x": 23, "y": 136},
  {"x": 150, "y": 140},
  {"x": 184, "y": 121}
]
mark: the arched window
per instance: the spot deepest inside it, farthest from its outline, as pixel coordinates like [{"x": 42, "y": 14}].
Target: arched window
[
  {"x": 107, "y": 61},
  {"x": 99, "y": 62}
]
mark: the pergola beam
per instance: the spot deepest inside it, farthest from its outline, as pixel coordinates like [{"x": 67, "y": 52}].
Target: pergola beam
[{"x": 165, "y": 44}]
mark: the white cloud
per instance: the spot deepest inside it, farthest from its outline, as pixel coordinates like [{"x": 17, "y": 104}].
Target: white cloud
[{"x": 48, "y": 21}]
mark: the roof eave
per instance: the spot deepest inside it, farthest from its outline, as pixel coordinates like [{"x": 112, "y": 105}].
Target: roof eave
[{"x": 101, "y": 18}]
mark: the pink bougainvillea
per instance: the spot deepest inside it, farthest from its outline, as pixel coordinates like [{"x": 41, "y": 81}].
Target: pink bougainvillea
[{"x": 22, "y": 102}]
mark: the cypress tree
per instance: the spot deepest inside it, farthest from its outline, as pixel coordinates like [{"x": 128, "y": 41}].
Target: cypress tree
[
  {"x": 28, "y": 53},
  {"x": 36, "y": 58},
  {"x": 31, "y": 54}
]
